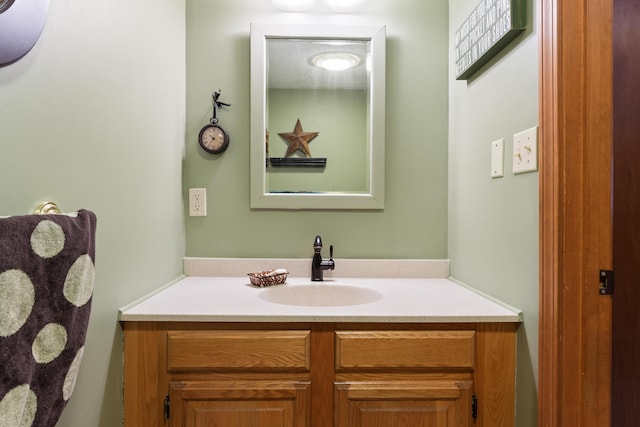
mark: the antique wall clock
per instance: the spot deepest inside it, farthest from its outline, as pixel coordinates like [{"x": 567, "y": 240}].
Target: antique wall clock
[{"x": 213, "y": 138}]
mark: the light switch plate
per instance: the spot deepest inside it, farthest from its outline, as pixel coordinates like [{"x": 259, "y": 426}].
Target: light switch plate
[
  {"x": 525, "y": 151},
  {"x": 497, "y": 158}
]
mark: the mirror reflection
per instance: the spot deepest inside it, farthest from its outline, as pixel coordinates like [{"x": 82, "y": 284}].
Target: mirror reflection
[
  {"x": 317, "y": 97},
  {"x": 317, "y": 117}
]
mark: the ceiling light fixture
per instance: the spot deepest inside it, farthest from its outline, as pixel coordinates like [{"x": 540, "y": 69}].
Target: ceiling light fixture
[
  {"x": 336, "y": 61},
  {"x": 345, "y": 5},
  {"x": 293, "y": 5}
]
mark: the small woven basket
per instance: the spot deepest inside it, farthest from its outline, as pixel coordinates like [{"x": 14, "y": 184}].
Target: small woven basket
[{"x": 263, "y": 279}]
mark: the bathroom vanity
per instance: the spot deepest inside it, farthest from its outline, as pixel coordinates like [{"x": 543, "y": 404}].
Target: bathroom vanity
[{"x": 217, "y": 351}]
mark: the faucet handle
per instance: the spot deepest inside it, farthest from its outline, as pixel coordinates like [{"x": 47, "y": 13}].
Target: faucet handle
[{"x": 331, "y": 251}]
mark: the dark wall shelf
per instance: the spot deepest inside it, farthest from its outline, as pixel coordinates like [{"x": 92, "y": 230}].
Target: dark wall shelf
[{"x": 298, "y": 162}]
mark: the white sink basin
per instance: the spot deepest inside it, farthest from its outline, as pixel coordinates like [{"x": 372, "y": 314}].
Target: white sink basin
[{"x": 319, "y": 295}]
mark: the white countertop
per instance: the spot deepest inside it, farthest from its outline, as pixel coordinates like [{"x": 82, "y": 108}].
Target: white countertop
[{"x": 234, "y": 299}]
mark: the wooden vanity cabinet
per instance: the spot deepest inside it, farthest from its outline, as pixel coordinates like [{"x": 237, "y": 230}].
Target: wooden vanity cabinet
[
  {"x": 416, "y": 378},
  {"x": 319, "y": 374}
]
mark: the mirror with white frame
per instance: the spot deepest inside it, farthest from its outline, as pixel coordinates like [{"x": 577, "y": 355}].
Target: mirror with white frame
[{"x": 317, "y": 135}]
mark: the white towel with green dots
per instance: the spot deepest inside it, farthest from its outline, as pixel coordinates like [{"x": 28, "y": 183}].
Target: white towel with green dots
[{"x": 46, "y": 287}]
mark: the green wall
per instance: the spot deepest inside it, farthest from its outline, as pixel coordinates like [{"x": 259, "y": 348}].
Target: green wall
[
  {"x": 493, "y": 223},
  {"x": 414, "y": 221},
  {"x": 93, "y": 117}
]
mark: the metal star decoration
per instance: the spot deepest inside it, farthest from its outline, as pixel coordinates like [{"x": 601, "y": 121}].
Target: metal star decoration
[{"x": 298, "y": 140}]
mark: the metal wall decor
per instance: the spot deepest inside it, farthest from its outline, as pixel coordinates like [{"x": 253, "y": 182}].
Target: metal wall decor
[
  {"x": 298, "y": 140},
  {"x": 491, "y": 26}
]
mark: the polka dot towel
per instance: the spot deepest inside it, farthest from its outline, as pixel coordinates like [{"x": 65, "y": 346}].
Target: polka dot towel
[{"x": 46, "y": 286}]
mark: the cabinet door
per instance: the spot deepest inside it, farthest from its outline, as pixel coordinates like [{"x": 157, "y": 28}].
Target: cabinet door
[
  {"x": 260, "y": 403},
  {"x": 403, "y": 403}
]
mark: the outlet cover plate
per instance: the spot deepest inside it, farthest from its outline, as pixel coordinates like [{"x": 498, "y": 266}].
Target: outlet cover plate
[
  {"x": 197, "y": 202},
  {"x": 525, "y": 151}
]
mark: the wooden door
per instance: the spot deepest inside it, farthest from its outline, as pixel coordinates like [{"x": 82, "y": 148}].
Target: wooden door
[
  {"x": 403, "y": 403},
  {"x": 575, "y": 212},
  {"x": 625, "y": 381},
  {"x": 255, "y": 403}
]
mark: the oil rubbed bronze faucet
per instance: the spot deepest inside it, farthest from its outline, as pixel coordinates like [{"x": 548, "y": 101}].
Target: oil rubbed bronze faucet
[{"x": 318, "y": 264}]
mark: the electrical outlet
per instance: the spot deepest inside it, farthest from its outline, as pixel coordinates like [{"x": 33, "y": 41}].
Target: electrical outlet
[
  {"x": 497, "y": 159},
  {"x": 525, "y": 151},
  {"x": 197, "y": 202}
]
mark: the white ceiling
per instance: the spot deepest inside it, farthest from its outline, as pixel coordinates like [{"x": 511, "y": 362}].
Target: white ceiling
[{"x": 289, "y": 64}]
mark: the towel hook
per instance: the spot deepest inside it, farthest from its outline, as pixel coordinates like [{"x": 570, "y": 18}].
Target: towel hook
[{"x": 47, "y": 208}]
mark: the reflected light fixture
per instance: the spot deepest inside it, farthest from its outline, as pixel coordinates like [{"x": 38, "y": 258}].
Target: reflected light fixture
[
  {"x": 293, "y": 5},
  {"x": 336, "y": 61},
  {"x": 345, "y": 5}
]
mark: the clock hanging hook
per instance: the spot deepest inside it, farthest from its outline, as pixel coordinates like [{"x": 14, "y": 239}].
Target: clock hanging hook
[{"x": 217, "y": 104}]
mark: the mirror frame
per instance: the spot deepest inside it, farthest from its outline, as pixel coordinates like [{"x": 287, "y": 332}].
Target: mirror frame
[{"x": 260, "y": 197}]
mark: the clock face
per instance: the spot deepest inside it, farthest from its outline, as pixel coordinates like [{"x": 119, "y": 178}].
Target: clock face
[{"x": 213, "y": 139}]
